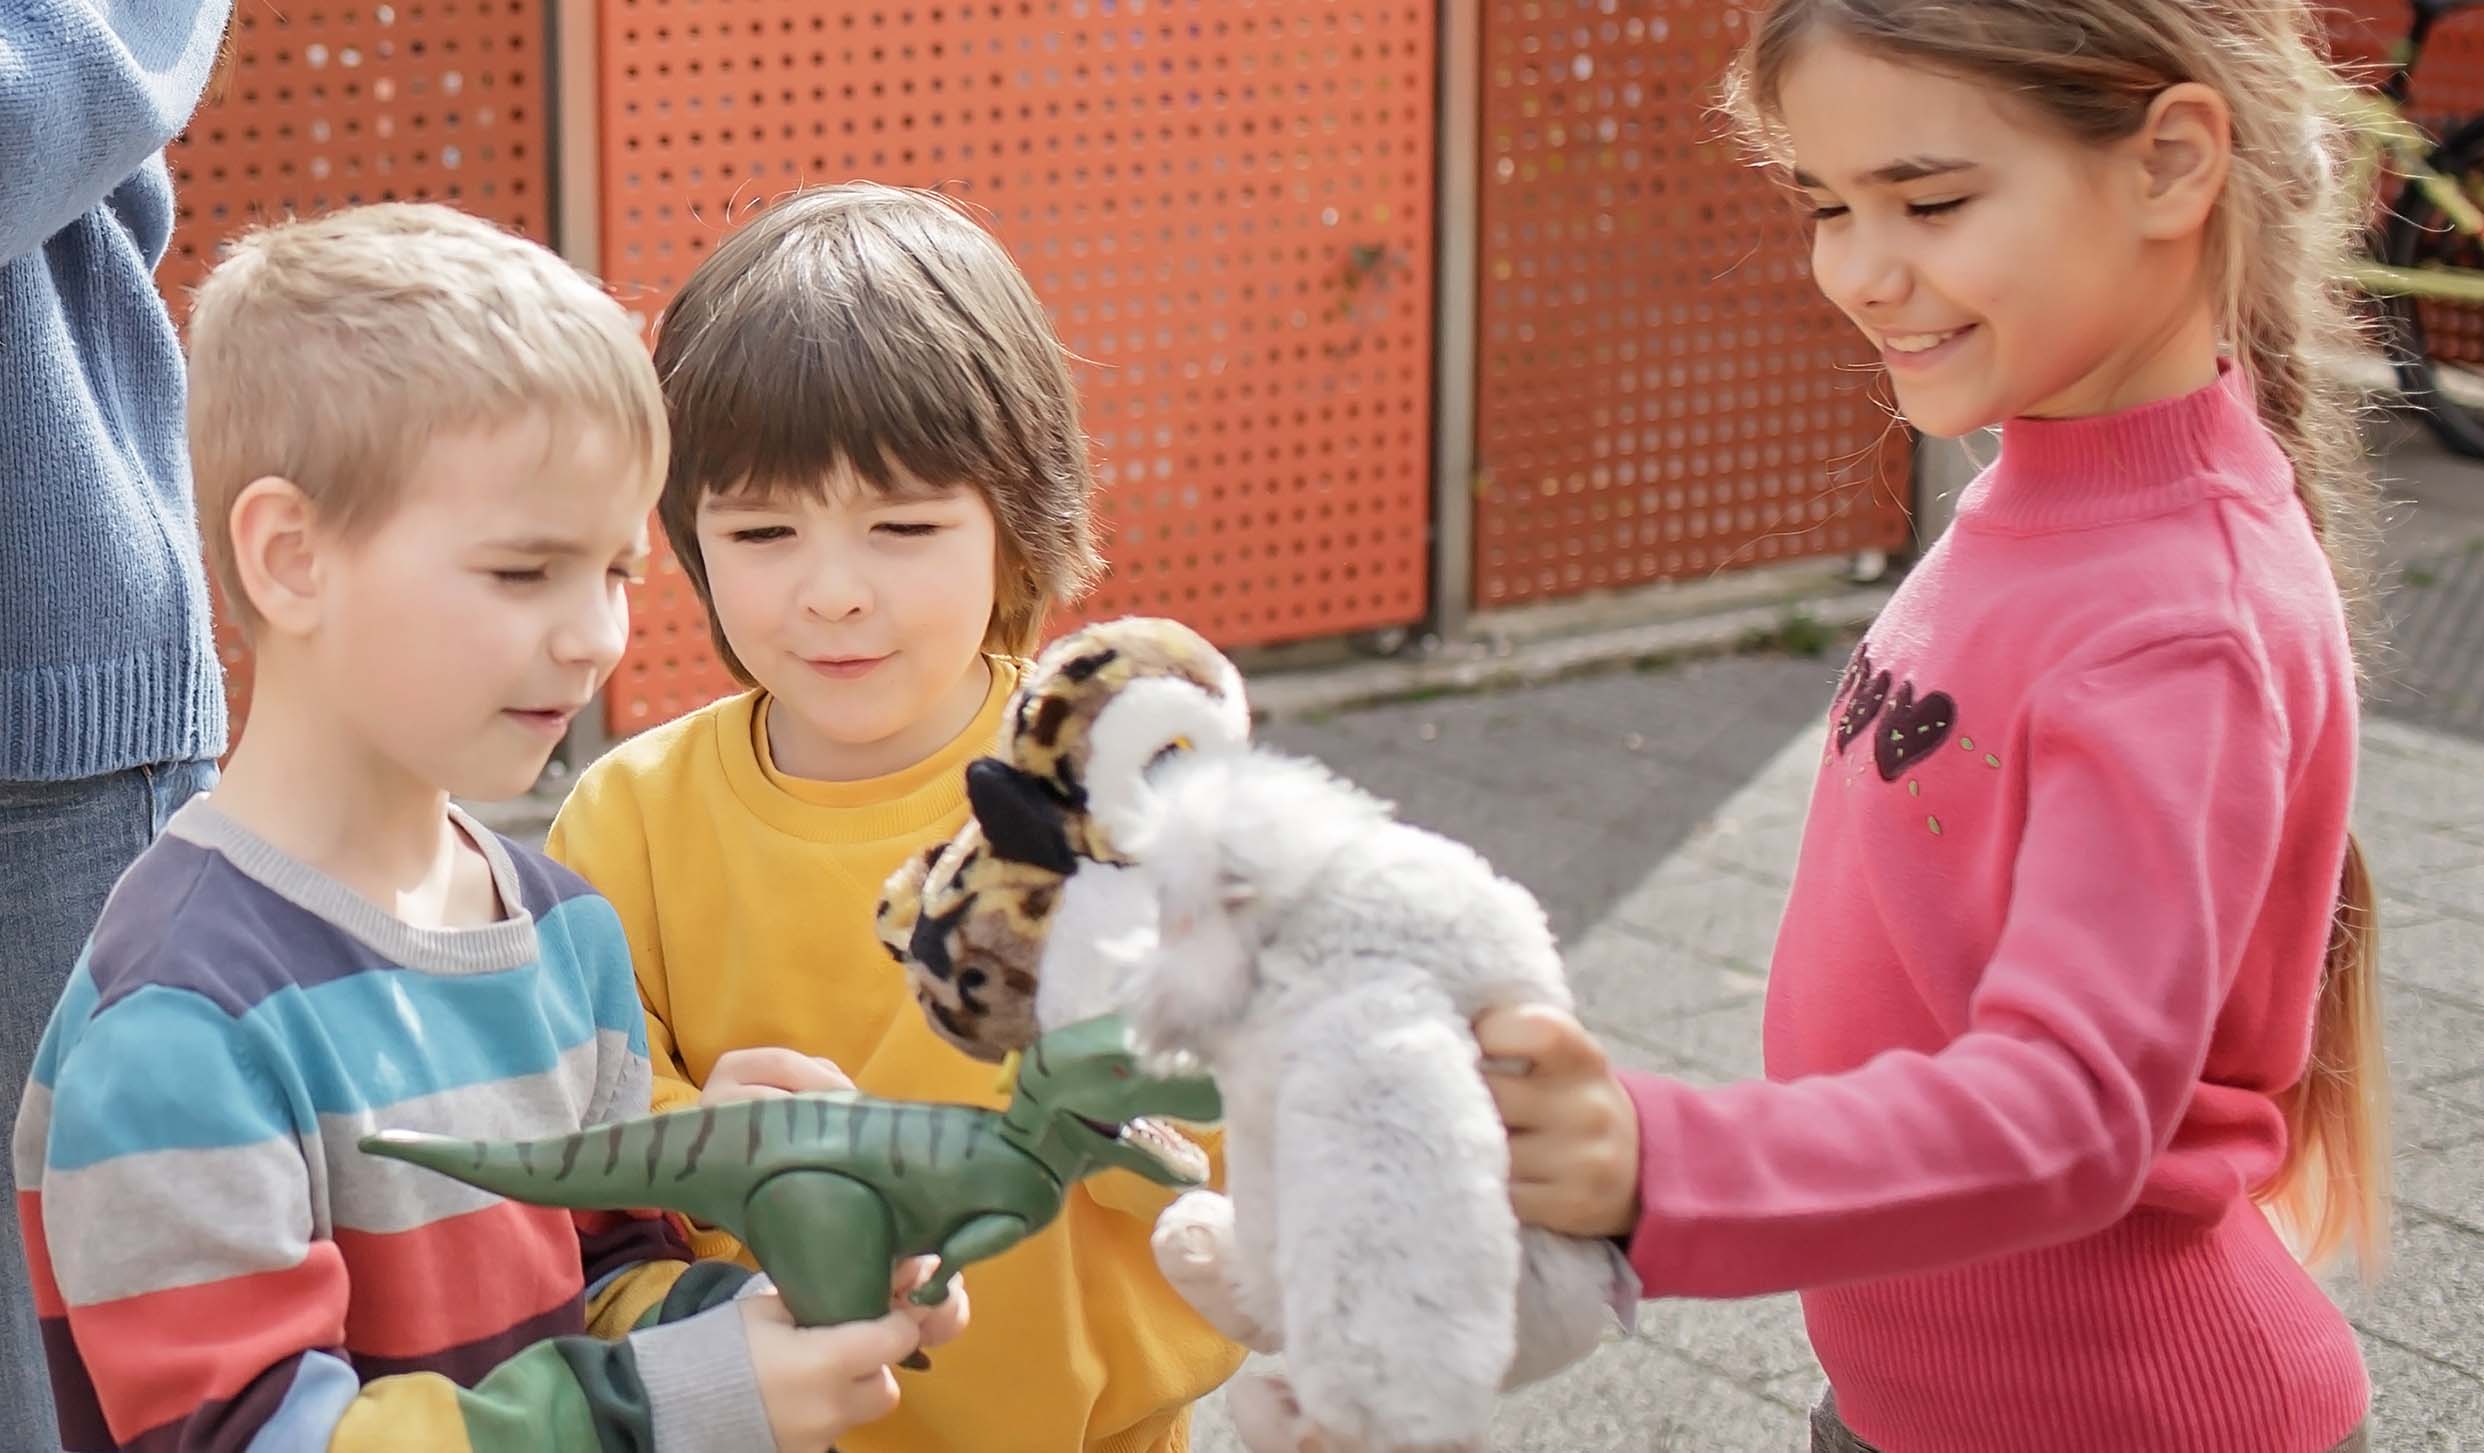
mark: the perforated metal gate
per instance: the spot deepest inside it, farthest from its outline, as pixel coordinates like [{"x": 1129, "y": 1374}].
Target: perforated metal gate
[
  {"x": 1226, "y": 206},
  {"x": 1662, "y": 393},
  {"x": 328, "y": 105}
]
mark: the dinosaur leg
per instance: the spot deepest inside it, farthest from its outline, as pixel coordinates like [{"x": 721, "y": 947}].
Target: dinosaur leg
[
  {"x": 981, "y": 1238},
  {"x": 825, "y": 1240},
  {"x": 1267, "y": 1418},
  {"x": 1195, "y": 1250}
]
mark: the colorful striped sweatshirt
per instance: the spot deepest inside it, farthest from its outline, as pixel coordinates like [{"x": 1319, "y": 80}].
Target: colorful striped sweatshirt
[{"x": 219, "y": 1268}]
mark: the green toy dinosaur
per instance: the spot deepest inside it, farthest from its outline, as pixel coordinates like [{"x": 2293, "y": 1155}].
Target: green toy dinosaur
[{"x": 829, "y": 1190}]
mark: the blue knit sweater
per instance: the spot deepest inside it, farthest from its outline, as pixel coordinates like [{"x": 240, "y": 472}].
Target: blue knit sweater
[{"x": 107, "y": 655}]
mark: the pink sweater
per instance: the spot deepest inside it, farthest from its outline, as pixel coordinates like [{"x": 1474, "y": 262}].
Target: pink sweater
[{"x": 2053, "y": 945}]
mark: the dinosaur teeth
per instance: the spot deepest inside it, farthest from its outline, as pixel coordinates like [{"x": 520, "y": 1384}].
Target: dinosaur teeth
[{"x": 1176, "y": 1150}]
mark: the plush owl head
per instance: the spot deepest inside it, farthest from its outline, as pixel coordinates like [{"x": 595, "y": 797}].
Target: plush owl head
[{"x": 971, "y": 920}]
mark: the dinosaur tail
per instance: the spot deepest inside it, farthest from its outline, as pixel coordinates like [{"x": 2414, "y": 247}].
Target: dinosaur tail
[{"x": 648, "y": 1164}]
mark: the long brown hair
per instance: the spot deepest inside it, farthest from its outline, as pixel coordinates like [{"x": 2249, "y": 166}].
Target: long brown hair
[{"x": 2280, "y": 246}]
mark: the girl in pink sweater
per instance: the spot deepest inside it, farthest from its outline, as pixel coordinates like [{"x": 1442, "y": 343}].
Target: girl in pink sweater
[{"x": 2075, "y": 981}]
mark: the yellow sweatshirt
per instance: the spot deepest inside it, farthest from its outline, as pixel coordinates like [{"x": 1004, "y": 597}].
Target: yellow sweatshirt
[{"x": 747, "y": 897}]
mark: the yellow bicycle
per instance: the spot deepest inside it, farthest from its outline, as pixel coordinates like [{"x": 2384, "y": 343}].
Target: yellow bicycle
[{"x": 2427, "y": 267}]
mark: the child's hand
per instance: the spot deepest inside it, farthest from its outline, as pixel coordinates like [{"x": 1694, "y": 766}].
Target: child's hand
[
  {"x": 819, "y": 1383},
  {"x": 940, "y": 1323},
  {"x": 1573, "y": 1131},
  {"x": 753, "y": 1074}
]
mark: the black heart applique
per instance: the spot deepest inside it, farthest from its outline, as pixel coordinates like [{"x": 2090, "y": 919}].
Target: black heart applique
[
  {"x": 1862, "y": 704},
  {"x": 1911, "y": 730}
]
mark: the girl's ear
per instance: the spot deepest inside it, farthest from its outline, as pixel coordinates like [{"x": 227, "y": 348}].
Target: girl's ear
[{"x": 2185, "y": 148}]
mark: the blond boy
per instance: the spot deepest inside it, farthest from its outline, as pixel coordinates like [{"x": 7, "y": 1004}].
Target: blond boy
[{"x": 425, "y": 451}]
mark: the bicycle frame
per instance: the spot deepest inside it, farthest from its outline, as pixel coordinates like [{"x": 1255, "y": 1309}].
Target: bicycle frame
[{"x": 2389, "y": 136}]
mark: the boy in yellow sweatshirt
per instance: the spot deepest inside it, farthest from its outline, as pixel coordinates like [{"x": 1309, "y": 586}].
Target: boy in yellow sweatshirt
[{"x": 877, "y": 486}]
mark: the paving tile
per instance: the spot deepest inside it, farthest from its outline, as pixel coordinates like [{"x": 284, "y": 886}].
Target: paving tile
[
  {"x": 1756, "y": 1340},
  {"x": 2399, "y": 849},
  {"x": 1796, "y": 1390},
  {"x": 1724, "y": 1043},
  {"x": 2457, "y": 891},
  {"x": 1646, "y": 987},
  {"x": 1721, "y": 912},
  {"x": 1637, "y": 1397},
  {"x": 2435, "y": 790},
  {"x": 2446, "y": 1183},
  {"x": 1762, "y": 839},
  {"x": 2428, "y": 1037},
  {"x": 2439, "y": 955},
  {"x": 2428, "y": 1300},
  {"x": 1632, "y": 1396},
  {"x": 2448, "y": 1115},
  {"x": 1687, "y": 711},
  {"x": 2420, "y": 1406}
]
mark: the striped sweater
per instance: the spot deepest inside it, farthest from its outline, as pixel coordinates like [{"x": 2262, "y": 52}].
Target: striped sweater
[{"x": 218, "y": 1266}]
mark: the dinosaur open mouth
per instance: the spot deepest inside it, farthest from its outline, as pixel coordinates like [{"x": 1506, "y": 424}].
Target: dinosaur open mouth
[{"x": 1160, "y": 1142}]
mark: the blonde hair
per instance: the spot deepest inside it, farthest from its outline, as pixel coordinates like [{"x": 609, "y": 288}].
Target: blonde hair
[
  {"x": 330, "y": 351},
  {"x": 879, "y": 328},
  {"x": 2279, "y": 247}
]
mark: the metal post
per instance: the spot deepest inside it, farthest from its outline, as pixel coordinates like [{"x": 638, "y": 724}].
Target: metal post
[
  {"x": 572, "y": 45},
  {"x": 1455, "y": 240},
  {"x": 577, "y": 151}
]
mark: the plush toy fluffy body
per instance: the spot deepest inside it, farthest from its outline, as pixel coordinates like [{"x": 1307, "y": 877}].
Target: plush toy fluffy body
[{"x": 1325, "y": 961}]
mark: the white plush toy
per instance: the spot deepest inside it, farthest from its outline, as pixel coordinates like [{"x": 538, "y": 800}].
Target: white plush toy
[{"x": 1324, "y": 961}]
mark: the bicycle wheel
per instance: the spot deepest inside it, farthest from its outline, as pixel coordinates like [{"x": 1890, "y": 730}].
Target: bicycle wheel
[{"x": 2438, "y": 348}]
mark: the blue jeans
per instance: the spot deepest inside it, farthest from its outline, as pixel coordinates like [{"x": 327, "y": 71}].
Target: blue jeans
[{"x": 62, "y": 847}]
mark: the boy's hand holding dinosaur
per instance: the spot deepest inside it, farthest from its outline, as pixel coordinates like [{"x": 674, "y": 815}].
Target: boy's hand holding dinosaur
[
  {"x": 819, "y": 1383},
  {"x": 1573, "y": 1131}
]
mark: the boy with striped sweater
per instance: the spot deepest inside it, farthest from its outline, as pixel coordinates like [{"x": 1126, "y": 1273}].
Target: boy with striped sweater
[{"x": 426, "y": 451}]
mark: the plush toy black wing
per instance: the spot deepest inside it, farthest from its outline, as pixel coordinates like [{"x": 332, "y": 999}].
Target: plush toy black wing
[{"x": 1021, "y": 820}]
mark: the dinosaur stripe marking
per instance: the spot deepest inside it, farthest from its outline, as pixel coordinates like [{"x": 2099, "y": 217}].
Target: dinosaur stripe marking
[
  {"x": 756, "y": 1121},
  {"x": 612, "y": 1149},
  {"x": 698, "y": 1142},
  {"x": 937, "y": 1122},
  {"x": 569, "y": 1155},
  {"x": 896, "y": 1144},
  {"x": 655, "y": 1142},
  {"x": 526, "y": 1156}
]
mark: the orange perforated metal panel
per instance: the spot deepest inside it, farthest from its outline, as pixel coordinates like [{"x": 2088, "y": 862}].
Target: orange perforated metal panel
[
  {"x": 328, "y": 105},
  {"x": 2449, "y": 90},
  {"x": 1662, "y": 392},
  {"x": 1226, "y": 205}
]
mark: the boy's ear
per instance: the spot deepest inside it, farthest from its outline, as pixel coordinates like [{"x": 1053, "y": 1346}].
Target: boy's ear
[
  {"x": 2186, "y": 149},
  {"x": 275, "y": 553}
]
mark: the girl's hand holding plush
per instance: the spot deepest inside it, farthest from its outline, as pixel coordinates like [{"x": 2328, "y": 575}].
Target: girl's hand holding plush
[{"x": 1573, "y": 1130}]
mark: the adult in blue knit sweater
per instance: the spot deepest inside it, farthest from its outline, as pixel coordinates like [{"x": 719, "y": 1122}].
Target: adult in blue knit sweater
[{"x": 111, "y": 700}]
